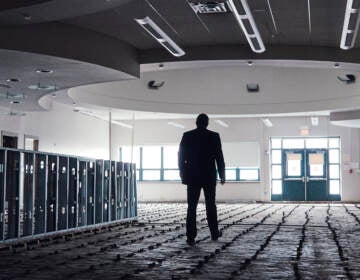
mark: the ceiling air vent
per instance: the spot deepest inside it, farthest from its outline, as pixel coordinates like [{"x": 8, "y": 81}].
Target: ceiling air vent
[{"x": 209, "y": 7}]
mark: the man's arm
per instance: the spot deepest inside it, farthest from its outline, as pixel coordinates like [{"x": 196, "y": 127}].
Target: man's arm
[
  {"x": 181, "y": 159},
  {"x": 220, "y": 160}
]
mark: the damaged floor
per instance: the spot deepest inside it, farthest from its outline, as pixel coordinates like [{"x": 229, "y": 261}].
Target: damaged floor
[{"x": 260, "y": 241}]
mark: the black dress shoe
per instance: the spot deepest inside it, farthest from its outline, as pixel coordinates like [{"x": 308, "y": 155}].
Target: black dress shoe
[
  {"x": 190, "y": 241},
  {"x": 216, "y": 237}
]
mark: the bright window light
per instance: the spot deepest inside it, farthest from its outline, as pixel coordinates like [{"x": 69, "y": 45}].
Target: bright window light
[
  {"x": 151, "y": 156},
  {"x": 334, "y": 187},
  {"x": 171, "y": 156},
  {"x": 276, "y": 187}
]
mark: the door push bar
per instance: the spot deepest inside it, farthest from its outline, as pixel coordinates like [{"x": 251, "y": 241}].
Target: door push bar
[{"x": 303, "y": 179}]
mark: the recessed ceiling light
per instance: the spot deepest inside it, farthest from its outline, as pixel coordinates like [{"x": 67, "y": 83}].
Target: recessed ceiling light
[
  {"x": 13, "y": 80},
  {"x": 161, "y": 65},
  {"x": 42, "y": 87},
  {"x": 336, "y": 65},
  {"x": 45, "y": 71},
  {"x": 250, "y": 63}
]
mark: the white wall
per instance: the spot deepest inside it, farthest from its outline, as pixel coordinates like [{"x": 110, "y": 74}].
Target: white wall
[
  {"x": 67, "y": 132},
  {"x": 242, "y": 130},
  {"x": 62, "y": 131}
]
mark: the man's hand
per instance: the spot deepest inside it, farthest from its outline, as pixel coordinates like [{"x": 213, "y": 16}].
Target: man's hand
[{"x": 222, "y": 182}]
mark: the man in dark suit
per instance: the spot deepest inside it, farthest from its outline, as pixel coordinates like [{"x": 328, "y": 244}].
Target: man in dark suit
[{"x": 199, "y": 150}]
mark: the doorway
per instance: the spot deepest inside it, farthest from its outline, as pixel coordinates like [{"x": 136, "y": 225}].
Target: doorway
[
  {"x": 306, "y": 169},
  {"x": 9, "y": 140},
  {"x": 31, "y": 143}
]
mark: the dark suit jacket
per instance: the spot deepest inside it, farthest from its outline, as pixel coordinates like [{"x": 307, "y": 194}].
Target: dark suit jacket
[{"x": 199, "y": 150}]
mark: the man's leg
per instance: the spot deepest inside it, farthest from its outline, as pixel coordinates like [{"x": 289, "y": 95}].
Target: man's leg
[
  {"x": 211, "y": 211},
  {"x": 193, "y": 194}
]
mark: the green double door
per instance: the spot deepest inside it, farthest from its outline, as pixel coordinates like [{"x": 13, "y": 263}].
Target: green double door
[{"x": 305, "y": 175}]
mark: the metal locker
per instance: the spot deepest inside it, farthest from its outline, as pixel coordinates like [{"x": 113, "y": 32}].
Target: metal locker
[
  {"x": 28, "y": 191},
  {"x": 82, "y": 193},
  {"x": 63, "y": 192},
  {"x": 12, "y": 188},
  {"x": 106, "y": 190},
  {"x": 133, "y": 191},
  {"x": 99, "y": 191},
  {"x": 90, "y": 192},
  {"x": 126, "y": 212},
  {"x": 113, "y": 191},
  {"x": 119, "y": 190},
  {"x": 73, "y": 186},
  {"x": 2, "y": 193},
  {"x": 52, "y": 166},
  {"x": 40, "y": 193}
]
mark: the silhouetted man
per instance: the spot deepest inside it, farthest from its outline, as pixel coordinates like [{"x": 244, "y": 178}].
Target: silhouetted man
[{"x": 199, "y": 150}]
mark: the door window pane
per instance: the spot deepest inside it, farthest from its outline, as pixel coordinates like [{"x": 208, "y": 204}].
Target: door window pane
[
  {"x": 334, "y": 171},
  {"x": 316, "y": 143},
  {"x": 316, "y": 164},
  {"x": 334, "y": 142},
  {"x": 251, "y": 174},
  {"x": 151, "y": 175},
  {"x": 171, "y": 156},
  {"x": 293, "y": 166},
  {"x": 276, "y": 172},
  {"x": 276, "y": 187},
  {"x": 276, "y": 156},
  {"x": 293, "y": 143},
  {"x": 171, "y": 175},
  {"x": 151, "y": 157},
  {"x": 334, "y": 187},
  {"x": 334, "y": 156},
  {"x": 276, "y": 143}
]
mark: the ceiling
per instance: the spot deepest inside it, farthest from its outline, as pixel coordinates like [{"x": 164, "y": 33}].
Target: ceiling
[
  {"x": 295, "y": 23},
  {"x": 94, "y": 41},
  {"x": 220, "y": 88}
]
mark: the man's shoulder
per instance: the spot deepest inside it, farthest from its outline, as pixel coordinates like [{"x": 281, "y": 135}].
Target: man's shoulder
[
  {"x": 201, "y": 132},
  {"x": 213, "y": 133},
  {"x": 190, "y": 132}
]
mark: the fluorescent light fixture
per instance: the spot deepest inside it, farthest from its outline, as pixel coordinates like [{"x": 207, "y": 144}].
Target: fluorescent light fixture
[
  {"x": 122, "y": 124},
  {"x": 351, "y": 25},
  {"x": 91, "y": 114},
  {"x": 314, "y": 121},
  {"x": 248, "y": 25},
  {"x": 178, "y": 125},
  {"x": 267, "y": 122},
  {"x": 222, "y": 123},
  {"x": 155, "y": 31}
]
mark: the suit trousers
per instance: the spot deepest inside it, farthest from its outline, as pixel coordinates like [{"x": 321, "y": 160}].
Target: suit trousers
[{"x": 193, "y": 194}]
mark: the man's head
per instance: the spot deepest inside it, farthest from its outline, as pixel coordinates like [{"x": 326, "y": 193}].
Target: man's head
[{"x": 202, "y": 121}]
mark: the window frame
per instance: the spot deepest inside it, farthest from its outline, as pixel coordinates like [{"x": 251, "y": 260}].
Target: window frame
[{"x": 162, "y": 169}]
